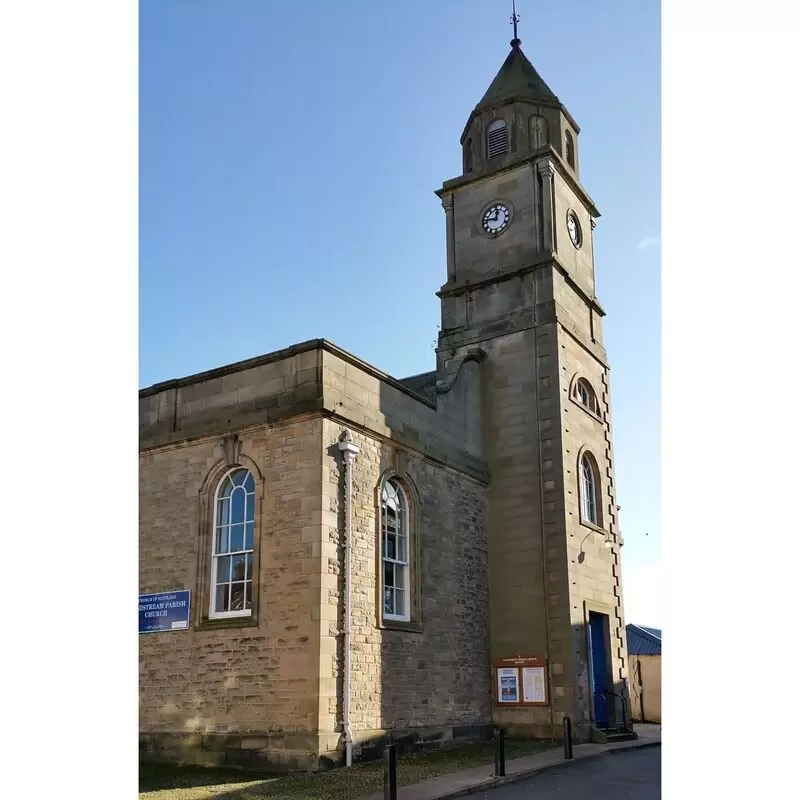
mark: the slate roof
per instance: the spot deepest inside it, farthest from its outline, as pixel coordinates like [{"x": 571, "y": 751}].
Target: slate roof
[
  {"x": 643, "y": 641},
  {"x": 516, "y": 78},
  {"x": 424, "y": 384}
]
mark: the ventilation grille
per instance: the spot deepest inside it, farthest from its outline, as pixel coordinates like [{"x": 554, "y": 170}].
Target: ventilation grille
[
  {"x": 498, "y": 141},
  {"x": 570, "y": 150}
]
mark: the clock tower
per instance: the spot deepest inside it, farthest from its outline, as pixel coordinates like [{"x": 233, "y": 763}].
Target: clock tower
[{"x": 519, "y": 306}]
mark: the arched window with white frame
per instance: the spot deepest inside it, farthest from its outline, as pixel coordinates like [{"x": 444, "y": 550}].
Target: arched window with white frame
[
  {"x": 232, "y": 546},
  {"x": 497, "y": 139},
  {"x": 395, "y": 552},
  {"x": 585, "y": 395},
  {"x": 589, "y": 490}
]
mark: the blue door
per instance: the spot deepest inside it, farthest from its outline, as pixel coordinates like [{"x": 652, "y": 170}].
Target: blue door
[{"x": 598, "y": 667}]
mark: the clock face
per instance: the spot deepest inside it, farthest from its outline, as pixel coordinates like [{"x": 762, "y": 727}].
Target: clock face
[
  {"x": 496, "y": 219},
  {"x": 574, "y": 229}
]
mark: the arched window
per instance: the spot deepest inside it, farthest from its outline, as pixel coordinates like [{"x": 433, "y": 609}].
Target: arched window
[
  {"x": 468, "y": 156},
  {"x": 540, "y": 135},
  {"x": 232, "y": 546},
  {"x": 569, "y": 148},
  {"x": 589, "y": 490},
  {"x": 395, "y": 552},
  {"x": 497, "y": 139},
  {"x": 585, "y": 395}
]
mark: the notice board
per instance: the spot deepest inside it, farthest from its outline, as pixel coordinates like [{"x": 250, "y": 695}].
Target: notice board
[{"x": 520, "y": 681}]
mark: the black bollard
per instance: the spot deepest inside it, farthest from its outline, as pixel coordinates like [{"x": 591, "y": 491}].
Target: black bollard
[
  {"x": 499, "y": 753},
  {"x": 389, "y": 772},
  {"x": 567, "y": 737}
]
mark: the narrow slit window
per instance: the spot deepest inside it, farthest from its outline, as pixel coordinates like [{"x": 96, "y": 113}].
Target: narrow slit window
[
  {"x": 497, "y": 139},
  {"x": 569, "y": 147}
]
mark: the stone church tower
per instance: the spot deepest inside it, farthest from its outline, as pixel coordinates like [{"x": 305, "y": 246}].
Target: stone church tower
[{"x": 521, "y": 316}]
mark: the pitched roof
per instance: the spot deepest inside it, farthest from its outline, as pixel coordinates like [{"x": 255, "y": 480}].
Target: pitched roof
[
  {"x": 516, "y": 78},
  {"x": 643, "y": 641},
  {"x": 424, "y": 384}
]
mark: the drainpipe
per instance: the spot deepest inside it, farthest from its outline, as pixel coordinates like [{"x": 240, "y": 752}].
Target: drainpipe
[{"x": 349, "y": 451}]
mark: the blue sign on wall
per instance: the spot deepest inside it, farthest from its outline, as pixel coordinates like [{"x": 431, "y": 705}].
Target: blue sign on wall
[{"x": 166, "y": 611}]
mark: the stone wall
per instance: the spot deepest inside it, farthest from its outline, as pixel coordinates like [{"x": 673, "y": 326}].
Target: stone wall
[
  {"x": 268, "y": 690},
  {"x": 593, "y": 554},
  {"x": 261, "y": 390},
  {"x": 429, "y": 678},
  {"x": 648, "y": 696},
  {"x": 248, "y": 688},
  {"x": 578, "y": 261},
  {"x": 372, "y": 401}
]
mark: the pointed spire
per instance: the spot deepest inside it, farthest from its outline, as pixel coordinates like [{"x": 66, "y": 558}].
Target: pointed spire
[{"x": 517, "y": 78}]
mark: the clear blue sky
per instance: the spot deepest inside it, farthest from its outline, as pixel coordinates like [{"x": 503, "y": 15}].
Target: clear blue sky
[{"x": 288, "y": 158}]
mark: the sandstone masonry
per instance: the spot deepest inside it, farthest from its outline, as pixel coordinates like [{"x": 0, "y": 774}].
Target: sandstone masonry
[{"x": 513, "y": 539}]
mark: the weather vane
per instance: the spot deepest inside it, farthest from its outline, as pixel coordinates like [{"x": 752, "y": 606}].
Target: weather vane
[{"x": 514, "y": 21}]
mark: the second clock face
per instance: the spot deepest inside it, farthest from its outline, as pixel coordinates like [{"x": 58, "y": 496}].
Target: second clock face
[
  {"x": 496, "y": 219},
  {"x": 574, "y": 228}
]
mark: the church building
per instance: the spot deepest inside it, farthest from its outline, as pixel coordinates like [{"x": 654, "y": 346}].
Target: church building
[{"x": 331, "y": 556}]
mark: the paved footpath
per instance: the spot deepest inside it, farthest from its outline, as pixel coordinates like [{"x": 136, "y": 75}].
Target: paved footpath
[{"x": 481, "y": 779}]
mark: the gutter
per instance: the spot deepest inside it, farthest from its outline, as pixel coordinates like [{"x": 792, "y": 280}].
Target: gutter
[{"x": 349, "y": 450}]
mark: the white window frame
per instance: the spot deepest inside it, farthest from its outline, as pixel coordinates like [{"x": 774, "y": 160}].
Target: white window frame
[
  {"x": 250, "y": 505},
  {"x": 403, "y": 532},
  {"x": 589, "y": 484},
  {"x": 586, "y": 396}
]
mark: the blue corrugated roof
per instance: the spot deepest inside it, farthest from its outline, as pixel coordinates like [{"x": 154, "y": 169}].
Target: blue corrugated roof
[{"x": 643, "y": 641}]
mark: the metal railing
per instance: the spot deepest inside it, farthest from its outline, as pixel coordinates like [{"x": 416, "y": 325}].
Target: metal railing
[{"x": 625, "y": 723}]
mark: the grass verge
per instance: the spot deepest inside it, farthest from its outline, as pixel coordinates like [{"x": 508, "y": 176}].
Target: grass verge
[{"x": 164, "y": 782}]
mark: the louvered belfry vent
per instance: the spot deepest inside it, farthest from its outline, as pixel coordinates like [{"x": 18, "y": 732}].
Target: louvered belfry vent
[{"x": 497, "y": 139}]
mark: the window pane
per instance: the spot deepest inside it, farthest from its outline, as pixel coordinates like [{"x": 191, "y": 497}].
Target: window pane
[
  {"x": 223, "y": 512},
  {"x": 399, "y": 601},
  {"x": 226, "y": 487},
  {"x": 388, "y": 575},
  {"x": 237, "y": 506},
  {"x": 239, "y": 476},
  {"x": 223, "y": 569},
  {"x": 402, "y": 555},
  {"x": 248, "y": 536},
  {"x": 388, "y": 601},
  {"x": 237, "y": 596},
  {"x": 238, "y": 564},
  {"x": 248, "y": 598},
  {"x": 222, "y": 544},
  {"x": 250, "y": 484},
  {"x": 391, "y": 547},
  {"x": 221, "y": 602},
  {"x": 249, "y": 562},
  {"x": 237, "y": 538}
]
